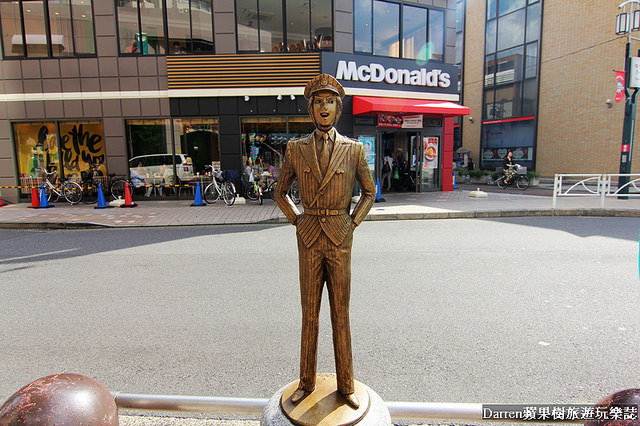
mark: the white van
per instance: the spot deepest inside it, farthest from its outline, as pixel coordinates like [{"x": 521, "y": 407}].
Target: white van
[{"x": 161, "y": 166}]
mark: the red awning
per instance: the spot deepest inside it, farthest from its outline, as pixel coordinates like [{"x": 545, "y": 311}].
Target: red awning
[{"x": 371, "y": 105}]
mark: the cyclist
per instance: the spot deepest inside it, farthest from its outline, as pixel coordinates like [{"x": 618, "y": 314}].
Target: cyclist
[{"x": 509, "y": 167}]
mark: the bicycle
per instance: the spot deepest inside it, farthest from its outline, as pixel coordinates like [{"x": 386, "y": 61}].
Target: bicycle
[
  {"x": 253, "y": 191},
  {"x": 71, "y": 191},
  {"x": 214, "y": 190},
  {"x": 90, "y": 180},
  {"x": 510, "y": 177},
  {"x": 293, "y": 192},
  {"x": 118, "y": 186}
]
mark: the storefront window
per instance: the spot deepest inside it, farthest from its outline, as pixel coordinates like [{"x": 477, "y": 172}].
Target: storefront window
[
  {"x": 199, "y": 140},
  {"x": 500, "y": 138},
  {"x": 70, "y": 22},
  {"x": 79, "y": 144},
  {"x": 264, "y": 139}
]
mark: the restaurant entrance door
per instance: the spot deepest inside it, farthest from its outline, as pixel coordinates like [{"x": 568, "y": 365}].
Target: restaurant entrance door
[{"x": 405, "y": 149}]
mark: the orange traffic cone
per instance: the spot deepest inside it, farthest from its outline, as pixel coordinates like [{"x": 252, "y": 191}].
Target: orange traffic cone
[
  {"x": 128, "y": 202},
  {"x": 35, "y": 200}
]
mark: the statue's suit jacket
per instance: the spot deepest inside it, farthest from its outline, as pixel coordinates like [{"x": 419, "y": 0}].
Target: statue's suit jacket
[{"x": 329, "y": 192}]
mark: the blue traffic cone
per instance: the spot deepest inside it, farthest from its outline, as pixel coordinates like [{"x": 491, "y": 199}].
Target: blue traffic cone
[
  {"x": 198, "y": 200},
  {"x": 44, "y": 203},
  {"x": 102, "y": 204},
  {"x": 454, "y": 180},
  {"x": 379, "y": 198}
]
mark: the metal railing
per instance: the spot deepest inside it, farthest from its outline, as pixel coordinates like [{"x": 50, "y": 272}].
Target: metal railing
[
  {"x": 425, "y": 411},
  {"x": 594, "y": 185}
]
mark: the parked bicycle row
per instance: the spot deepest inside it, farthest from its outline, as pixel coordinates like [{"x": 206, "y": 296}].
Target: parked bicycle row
[{"x": 221, "y": 185}]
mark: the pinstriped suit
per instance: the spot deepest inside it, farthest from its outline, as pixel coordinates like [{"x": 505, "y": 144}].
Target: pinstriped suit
[{"x": 325, "y": 232}]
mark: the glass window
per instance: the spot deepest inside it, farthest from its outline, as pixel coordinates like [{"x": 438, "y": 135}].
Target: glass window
[
  {"x": 36, "y": 147},
  {"x": 490, "y": 71},
  {"x": 533, "y": 23},
  {"x": 199, "y": 140},
  {"x": 264, "y": 139},
  {"x": 436, "y": 34},
  {"x": 506, "y": 6},
  {"x": 489, "y": 104},
  {"x": 321, "y": 25},
  {"x": 298, "y": 30},
  {"x": 34, "y": 26},
  {"x": 362, "y": 26},
  {"x": 61, "y": 33},
  {"x": 201, "y": 26},
  {"x": 247, "y": 18},
  {"x": 128, "y": 27},
  {"x": 151, "y": 40},
  {"x": 386, "y": 37},
  {"x": 178, "y": 26},
  {"x": 530, "y": 97},
  {"x": 490, "y": 37},
  {"x": 271, "y": 30},
  {"x": 509, "y": 67},
  {"x": 491, "y": 9},
  {"x": 414, "y": 32},
  {"x": 82, "y": 14},
  {"x": 531, "y": 61},
  {"x": 81, "y": 144},
  {"x": 11, "y": 29},
  {"x": 500, "y": 138},
  {"x": 70, "y": 22},
  {"x": 459, "y": 47},
  {"x": 511, "y": 30}
]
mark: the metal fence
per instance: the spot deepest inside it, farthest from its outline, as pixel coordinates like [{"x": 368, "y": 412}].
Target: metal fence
[{"x": 595, "y": 185}]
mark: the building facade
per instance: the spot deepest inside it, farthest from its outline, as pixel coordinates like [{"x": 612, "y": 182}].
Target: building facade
[
  {"x": 539, "y": 78},
  {"x": 123, "y": 83}
]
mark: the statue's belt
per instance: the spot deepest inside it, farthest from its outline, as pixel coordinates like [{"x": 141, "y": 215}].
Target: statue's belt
[{"x": 325, "y": 212}]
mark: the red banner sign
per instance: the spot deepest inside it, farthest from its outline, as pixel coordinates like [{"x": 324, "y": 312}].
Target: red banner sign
[{"x": 619, "y": 86}]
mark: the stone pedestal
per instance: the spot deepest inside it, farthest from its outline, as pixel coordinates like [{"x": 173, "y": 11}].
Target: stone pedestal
[{"x": 325, "y": 407}]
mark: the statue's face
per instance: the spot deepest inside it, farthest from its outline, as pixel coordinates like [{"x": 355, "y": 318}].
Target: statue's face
[{"x": 325, "y": 110}]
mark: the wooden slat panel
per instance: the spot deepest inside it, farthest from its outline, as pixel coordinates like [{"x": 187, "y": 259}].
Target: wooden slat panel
[{"x": 234, "y": 71}]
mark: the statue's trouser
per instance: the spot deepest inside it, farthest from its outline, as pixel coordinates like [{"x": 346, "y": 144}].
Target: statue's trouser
[{"x": 326, "y": 261}]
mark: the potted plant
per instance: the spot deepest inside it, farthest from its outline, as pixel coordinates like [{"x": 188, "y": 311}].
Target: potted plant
[
  {"x": 534, "y": 178},
  {"x": 479, "y": 176}
]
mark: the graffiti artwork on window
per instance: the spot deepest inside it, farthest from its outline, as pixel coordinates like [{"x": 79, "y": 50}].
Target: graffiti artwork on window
[{"x": 81, "y": 144}]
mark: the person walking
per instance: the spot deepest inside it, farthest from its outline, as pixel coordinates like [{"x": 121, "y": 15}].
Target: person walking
[{"x": 327, "y": 165}]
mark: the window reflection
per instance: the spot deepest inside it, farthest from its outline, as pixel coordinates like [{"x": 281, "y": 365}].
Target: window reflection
[
  {"x": 11, "y": 29},
  {"x": 414, "y": 36},
  {"x": 506, "y": 6},
  {"x": 362, "y": 26},
  {"x": 533, "y": 23},
  {"x": 60, "y": 23},
  {"x": 386, "y": 37},
  {"x": 83, "y": 27},
  {"x": 35, "y": 35},
  {"x": 247, "y": 25},
  {"x": 436, "y": 34},
  {"x": 511, "y": 30}
]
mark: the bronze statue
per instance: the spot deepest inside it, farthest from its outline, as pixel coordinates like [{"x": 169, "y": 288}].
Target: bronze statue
[{"x": 326, "y": 165}]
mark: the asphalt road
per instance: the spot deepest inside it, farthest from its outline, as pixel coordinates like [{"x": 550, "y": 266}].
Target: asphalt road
[{"x": 522, "y": 310}]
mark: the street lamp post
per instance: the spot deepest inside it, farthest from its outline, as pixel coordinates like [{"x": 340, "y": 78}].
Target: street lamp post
[{"x": 626, "y": 22}]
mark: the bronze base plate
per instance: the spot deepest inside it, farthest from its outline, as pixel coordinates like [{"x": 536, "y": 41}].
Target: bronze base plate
[{"x": 325, "y": 406}]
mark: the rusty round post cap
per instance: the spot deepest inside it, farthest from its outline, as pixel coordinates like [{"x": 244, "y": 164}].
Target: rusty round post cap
[
  {"x": 323, "y": 82},
  {"x": 61, "y": 399}
]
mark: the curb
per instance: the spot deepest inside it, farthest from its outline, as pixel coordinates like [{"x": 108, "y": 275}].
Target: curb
[{"x": 485, "y": 214}]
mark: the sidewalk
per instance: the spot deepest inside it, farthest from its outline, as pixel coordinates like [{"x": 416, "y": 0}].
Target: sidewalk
[{"x": 398, "y": 206}]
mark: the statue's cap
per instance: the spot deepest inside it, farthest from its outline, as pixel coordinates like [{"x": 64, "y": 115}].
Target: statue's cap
[{"x": 323, "y": 82}]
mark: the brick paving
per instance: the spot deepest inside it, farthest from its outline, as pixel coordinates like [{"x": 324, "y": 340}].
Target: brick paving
[{"x": 397, "y": 206}]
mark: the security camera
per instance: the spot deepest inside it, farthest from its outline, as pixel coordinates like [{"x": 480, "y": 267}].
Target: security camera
[{"x": 609, "y": 103}]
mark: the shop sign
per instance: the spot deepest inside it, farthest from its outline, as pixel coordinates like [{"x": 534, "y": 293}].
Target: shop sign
[
  {"x": 374, "y": 72},
  {"x": 405, "y": 122}
]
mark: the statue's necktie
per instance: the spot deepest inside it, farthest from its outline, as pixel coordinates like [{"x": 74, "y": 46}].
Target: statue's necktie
[{"x": 325, "y": 153}]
